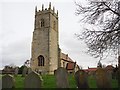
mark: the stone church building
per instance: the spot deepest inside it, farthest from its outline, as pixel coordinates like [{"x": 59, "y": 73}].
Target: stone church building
[{"x": 46, "y": 54}]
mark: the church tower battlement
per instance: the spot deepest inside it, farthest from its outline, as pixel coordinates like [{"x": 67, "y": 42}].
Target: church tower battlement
[
  {"x": 45, "y": 43},
  {"x": 46, "y": 10}
]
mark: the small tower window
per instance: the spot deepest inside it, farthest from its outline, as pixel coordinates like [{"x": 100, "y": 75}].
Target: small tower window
[
  {"x": 54, "y": 25},
  {"x": 41, "y": 61},
  {"x": 42, "y": 23}
]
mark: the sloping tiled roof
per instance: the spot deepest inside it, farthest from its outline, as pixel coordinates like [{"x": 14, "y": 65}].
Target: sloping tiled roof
[
  {"x": 91, "y": 69},
  {"x": 70, "y": 66},
  {"x": 65, "y": 57}
]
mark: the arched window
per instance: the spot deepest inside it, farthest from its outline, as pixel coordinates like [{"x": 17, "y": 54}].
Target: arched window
[
  {"x": 41, "y": 61},
  {"x": 42, "y": 23}
]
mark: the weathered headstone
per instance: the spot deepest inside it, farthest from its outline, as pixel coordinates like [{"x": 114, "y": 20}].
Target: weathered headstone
[
  {"x": 118, "y": 70},
  {"x": 0, "y": 84},
  {"x": 33, "y": 80},
  {"x": 109, "y": 75},
  {"x": 118, "y": 74},
  {"x": 8, "y": 81},
  {"x": 16, "y": 71},
  {"x": 81, "y": 79},
  {"x": 102, "y": 79},
  {"x": 24, "y": 72},
  {"x": 29, "y": 70},
  {"x": 61, "y": 78}
]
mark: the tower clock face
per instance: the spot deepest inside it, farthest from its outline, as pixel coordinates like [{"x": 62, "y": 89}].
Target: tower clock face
[{"x": 42, "y": 22}]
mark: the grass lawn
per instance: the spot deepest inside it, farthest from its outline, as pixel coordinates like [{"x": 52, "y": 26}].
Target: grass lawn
[{"x": 49, "y": 82}]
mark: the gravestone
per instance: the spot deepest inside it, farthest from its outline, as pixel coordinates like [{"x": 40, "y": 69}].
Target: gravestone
[
  {"x": 102, "y": 79},
  {"x": 29, "y": 70},
  {"x": 8, "y": 81},
  {"x": 109, "y": 74},
  {"x": 118, "y": 70},
  {"x": 16, "y": 71},
  {"x": 24, "y": 72},
  {"x": 33, "y": 80},
  {"x": 118, "y": 75},
  {"x": 61, "y": 78},
  {"x": 0, "y": 83},
  {"x": 81, "y": 79}
]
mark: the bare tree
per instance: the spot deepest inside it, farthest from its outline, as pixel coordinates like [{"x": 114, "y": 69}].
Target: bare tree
[{"x": 104, "y": 14}]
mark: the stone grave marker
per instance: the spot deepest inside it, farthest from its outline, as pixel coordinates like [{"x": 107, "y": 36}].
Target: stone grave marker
[
  {"x": 61, "y": 78},
  {"x": 118, "y": 75},
  {"x": 81, "y": 79},
  {"x": 33, "y": 80},
  {"x": 102, "y": 79},
  {"x": 16, "y": 71},
  {"x": 0, "y": 83},
  {"x": 29, "y": 70},
  {"x": 8, "y": 81},
  {"x": 24, "y": 72}
]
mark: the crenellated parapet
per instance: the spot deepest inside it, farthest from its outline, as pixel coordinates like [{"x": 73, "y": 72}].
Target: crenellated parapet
[{"x": 46, "y": 10}]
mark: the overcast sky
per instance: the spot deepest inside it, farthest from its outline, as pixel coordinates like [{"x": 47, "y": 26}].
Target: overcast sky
[{"x": 17, "y": 18}]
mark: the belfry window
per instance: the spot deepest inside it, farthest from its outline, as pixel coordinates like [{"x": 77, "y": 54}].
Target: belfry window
[
  {"x": 42, "y": 23},
  {"x": 54, "y": 25},
  {"x": 41, "y": 61}
]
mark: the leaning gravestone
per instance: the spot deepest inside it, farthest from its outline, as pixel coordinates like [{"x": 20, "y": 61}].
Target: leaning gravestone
[
  {"x": 61, "y": 78},
  {"x": 109, "y": 75},
  {"x": 16, "y": 71},
  {"x": 102, "y": 79},
  {"x": 81, "y": 79},
  {"x": 8, "y": 81},
  {"x": 24, "y": 72},
  {"x": 33, "y": 80},
  {"x": 118, "y": 70},
  {"x": 29, "y": 70}
]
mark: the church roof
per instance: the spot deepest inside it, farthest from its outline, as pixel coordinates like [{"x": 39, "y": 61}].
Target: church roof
[
  {"x": 65, "y": 57},
  {"x": 70, "y": 66},
  {"x": 90, "y": 69}
]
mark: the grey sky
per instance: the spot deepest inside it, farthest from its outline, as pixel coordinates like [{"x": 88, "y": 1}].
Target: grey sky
[{"x": 18, "y": 25}]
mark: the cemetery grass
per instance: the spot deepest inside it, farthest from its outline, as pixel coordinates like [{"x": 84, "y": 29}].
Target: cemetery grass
[{"x": 49, "y": 82}]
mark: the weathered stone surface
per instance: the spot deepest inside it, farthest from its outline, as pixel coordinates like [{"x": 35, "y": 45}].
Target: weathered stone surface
[
  {"x": 81, "y": 79},
  {"x": 29, "y": 70},
  {"x": 61, "y": 78},
  {"x": 24, "y": 72},
  {"x": 8, "y": 81},
  {"x": 102, "y": 79},
  {"x": 16, "y": 71},
  {"x": 0, "y": 84},
  {"x": 118, "y": 74},
  {"x": 33, "y": 80},
  {"x": 118, "y": 71}
]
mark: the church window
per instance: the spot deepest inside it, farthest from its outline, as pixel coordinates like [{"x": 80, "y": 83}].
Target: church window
[
  {"x": 41, "y": 61},
  {"x": 42, "y": 23},
  {"x": 54, "y": 25}
]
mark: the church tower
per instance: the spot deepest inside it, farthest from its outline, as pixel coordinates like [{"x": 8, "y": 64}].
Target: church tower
[{"x": 45, "y": 47}]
